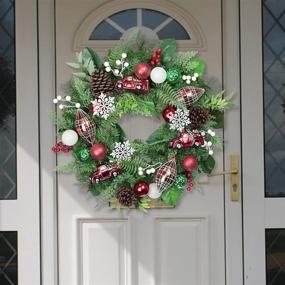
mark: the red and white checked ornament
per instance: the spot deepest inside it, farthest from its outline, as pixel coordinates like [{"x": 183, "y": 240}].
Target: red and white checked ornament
[
  {"x": 166, "y": 175},
  {"x": 85, "y": 126},
  {"x": 190, "y": 95}
]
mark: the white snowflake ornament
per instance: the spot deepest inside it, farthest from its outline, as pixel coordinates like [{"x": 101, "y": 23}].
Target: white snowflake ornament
[
  {"x": 179, "y": 120},
  {"x": 103, "y": 106},
  {"x": 122, "y": 151}
]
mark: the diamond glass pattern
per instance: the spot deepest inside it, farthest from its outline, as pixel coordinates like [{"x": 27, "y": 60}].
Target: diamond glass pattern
[
  {"x": 8, "y": 258},
  {"x": 274, "y": 96},
  {"x": 275, "y": 256},
  {"x": 7, "y": 101},
  {"x": 160, "y": 24}
]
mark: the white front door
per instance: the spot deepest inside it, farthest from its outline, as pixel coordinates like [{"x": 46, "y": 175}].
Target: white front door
[
  {"x": 186, "y": 245},
  {"x": 19, "y": 145},
  {"x": 263, "y": 73}
]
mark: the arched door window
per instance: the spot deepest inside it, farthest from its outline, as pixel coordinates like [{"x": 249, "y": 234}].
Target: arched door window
[
  {"x": 116, "y": 19},
  {"x": 152, "y": 24}
]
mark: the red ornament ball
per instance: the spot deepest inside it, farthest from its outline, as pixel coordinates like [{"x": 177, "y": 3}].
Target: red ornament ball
[
  {"x": 141, "y": 188},
  {"x": 168, "y": 112},
  {"x": 190, "y": 162},
  {"x": 98, "y": 151},
  {"x": 142, "y": 70}
]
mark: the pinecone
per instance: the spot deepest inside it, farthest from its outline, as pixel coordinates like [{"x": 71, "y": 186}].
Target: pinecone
[
  {"x": 101, "y": 82},
  {"x": 198, "y": 117},
  {"x": 126, "y": 196}
]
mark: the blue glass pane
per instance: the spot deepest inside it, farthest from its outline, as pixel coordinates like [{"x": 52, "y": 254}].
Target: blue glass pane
[
  {"x": 173, "y": 30},
  {"x": 104, "y": 31},
  {"x": 8, "y": 258},
  {"x": 7, "y": 102},
  {"x": 125, "y": 19},
  {"x": 275, "y": 256},
  {"x": 151, "y": 19},
  {"x": 274, "y": 91}
]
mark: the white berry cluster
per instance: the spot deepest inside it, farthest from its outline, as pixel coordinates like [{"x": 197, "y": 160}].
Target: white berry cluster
[
  {"x": 66, "y": 102},
  {"x": 189, "y": 78},
  {"x": 121, "y": 64},
  {"x": 147, "y": 171},
  {"x": 208, "y": 144}
]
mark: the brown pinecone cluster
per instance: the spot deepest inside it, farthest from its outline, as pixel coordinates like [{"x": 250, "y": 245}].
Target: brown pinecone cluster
[
  {"x": 101, "y": 82},
  {"x": 126, "y": 196},
  {"x": 198, "y": 117}
]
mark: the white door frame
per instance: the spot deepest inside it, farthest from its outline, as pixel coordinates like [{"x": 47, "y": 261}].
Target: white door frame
[
  {"x": 47, "y": 79},
  {"x": 23, "y": 214}
]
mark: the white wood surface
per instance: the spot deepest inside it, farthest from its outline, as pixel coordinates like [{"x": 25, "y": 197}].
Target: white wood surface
[
  {"x": 145, "y": 258},
  {"x": 22, "y": 215},
  {"x": 254, "y": 208}
]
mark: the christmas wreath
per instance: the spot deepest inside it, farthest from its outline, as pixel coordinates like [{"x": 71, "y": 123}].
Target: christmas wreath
[{"x": 146, "y": 81}]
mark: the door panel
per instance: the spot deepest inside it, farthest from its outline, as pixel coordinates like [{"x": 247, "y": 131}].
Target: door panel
[{"x": 104, "y": 246}]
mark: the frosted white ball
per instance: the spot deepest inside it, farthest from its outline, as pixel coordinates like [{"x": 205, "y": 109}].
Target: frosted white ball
[
  {"x": 55, "y": 101},
  {"x": 118, "y": 62},
  {"x": 124, "y": 55},
  {"x": 77, "y": 105},
  {"x": 106, "y": 64},
  {"x": 67, "y": 98},
  {"x": 158, "y": 75},
  {"x": 211, "y": 152},
  {"x": 153, "y": 192},
  {"x": 69, "y": 137},
  {"x": 108, "y": 68}
]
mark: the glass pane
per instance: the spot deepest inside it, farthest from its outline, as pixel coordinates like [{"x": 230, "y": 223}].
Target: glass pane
[
  {"x": 275, "y": 256},
  {"x": 8, "y": 258},
  {"x": 104, "y": 31},
  {"x": 173, "y": 30},
  {"x": 151, "y": 19},
  {"x": 125, "y": 19},
  {"x": 274, "y": 96},
  {"x": 7, "y": 101}
]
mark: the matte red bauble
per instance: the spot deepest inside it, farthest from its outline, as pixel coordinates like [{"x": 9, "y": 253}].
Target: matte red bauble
[
  {"x": 142, "y": 70},
  {"x": 98, "y": 151},
  {"x": 141, "y": 188},
  {"x": 168, "y": 112},
  {"x": 189, "y": 162}
]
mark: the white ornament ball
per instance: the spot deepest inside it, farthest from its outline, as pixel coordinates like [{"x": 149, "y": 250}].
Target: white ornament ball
[
  {"x": 153, "y": 191},
  {"x": 55, "y": 101},
  {"x": 106, "y": 64},
  {"x": 69, "y": 137},
  {"x": 211, "y": 152},
  {"x": 59, "y": 97},
  {"x": 124, "y": 55},
  {"x": 77, "y": 105},
  {"x": 108, "y": 68},
  {"x": 158, "y": 75},
  {"x": 118, "y": 62}
]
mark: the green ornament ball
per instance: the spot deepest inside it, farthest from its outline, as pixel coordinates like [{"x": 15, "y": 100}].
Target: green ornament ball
[
  {"x": 181, "y": 182},
  {"x": 84, "y": 154},
  {"x": 173, "y": 75}
]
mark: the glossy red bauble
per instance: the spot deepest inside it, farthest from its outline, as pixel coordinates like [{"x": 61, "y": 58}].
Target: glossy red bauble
[
  {"x": 142, "y": 70},
  {"x": 98, "y": 151},
  {"x": 168, "y": 112},
  {"x": 141, "y": 188},
  {"x": 190, "y": 162}
]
